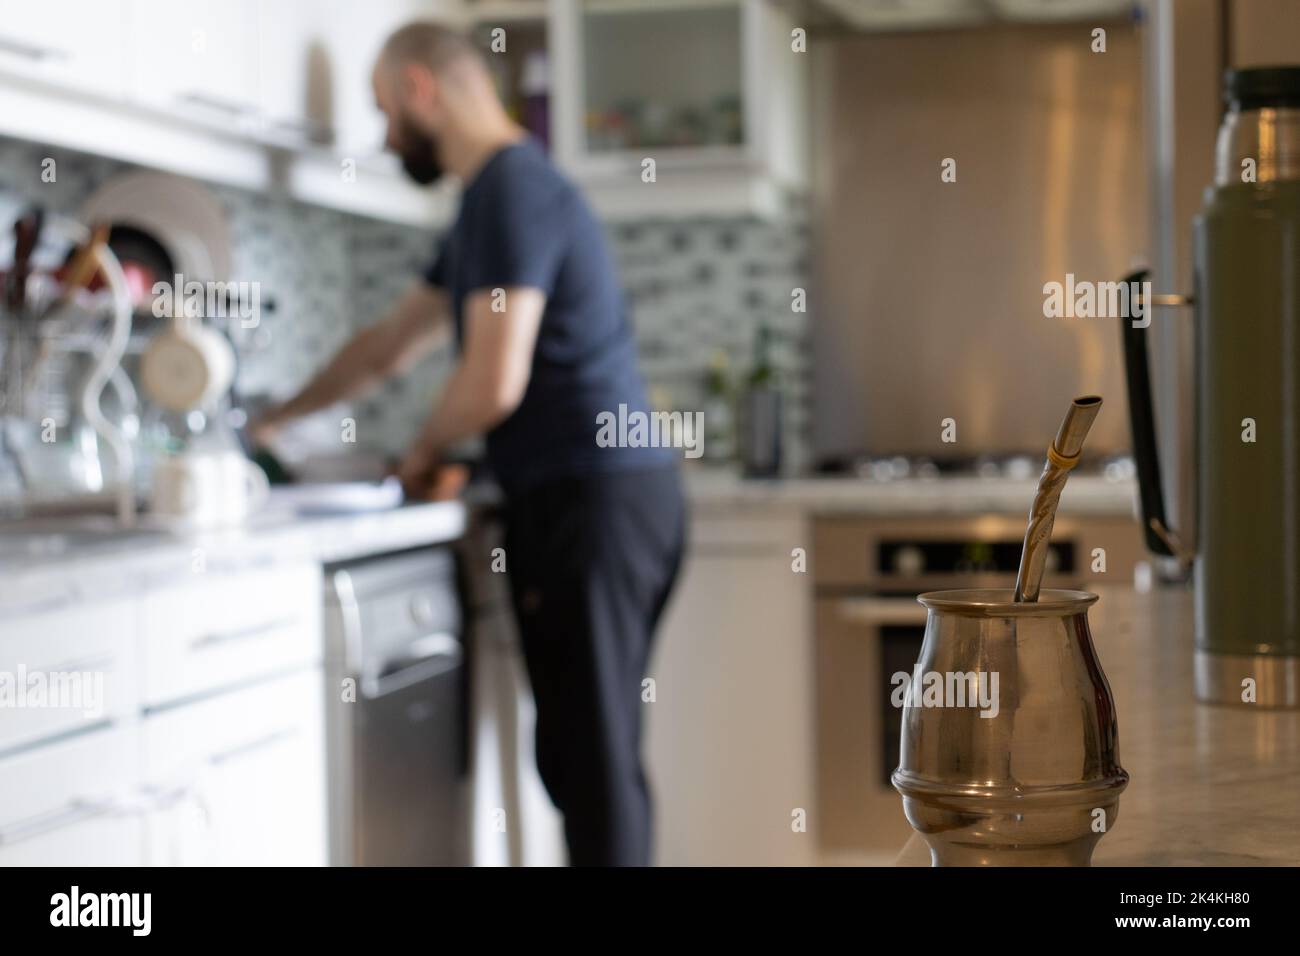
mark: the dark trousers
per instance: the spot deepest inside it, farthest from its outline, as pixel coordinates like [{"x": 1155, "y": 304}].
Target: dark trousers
[{"x": 591, "y": 562}]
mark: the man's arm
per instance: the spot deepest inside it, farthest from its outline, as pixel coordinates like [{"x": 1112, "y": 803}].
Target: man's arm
[
  {"x": 488, "y": 382},
  {"x": 388, "y": 347}
]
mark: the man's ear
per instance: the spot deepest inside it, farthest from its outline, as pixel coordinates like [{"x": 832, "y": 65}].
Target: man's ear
[{"x": 418, "y": 85}]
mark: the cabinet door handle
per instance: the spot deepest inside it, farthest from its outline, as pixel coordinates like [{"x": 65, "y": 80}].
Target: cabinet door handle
[
  {"x": 207, "y": 641},
  {"x": 250, "y": 746},
  {"x": 233, "y": 107},
  {"x": 30, "y": 51},
  {"x": 309, "y": 131}
]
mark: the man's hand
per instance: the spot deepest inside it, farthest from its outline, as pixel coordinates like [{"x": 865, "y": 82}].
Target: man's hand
[
  {"x": 263, "y": 428},
  {"x": 426, "y": 479},
  {"x": 416, "y": 472}
]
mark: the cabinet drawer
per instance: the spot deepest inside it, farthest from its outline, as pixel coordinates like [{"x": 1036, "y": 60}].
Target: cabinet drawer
[
  {"x": 56, "y": 796},
  {"x": 228, "y": 629},
  {"x": 252, "y": 761},
  {"x": 226, "y": 727},
  {"x": 65, "y": 668}
]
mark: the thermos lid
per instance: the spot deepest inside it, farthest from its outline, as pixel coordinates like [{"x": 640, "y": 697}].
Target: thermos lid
[{"x": 1262, "y": 86}]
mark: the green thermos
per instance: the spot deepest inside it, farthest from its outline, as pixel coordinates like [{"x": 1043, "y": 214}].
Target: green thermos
[{"x": 1247, "y": 303}]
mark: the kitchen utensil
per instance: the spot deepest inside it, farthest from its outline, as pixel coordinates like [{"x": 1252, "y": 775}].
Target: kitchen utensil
[
  {"x": 1062, "y": 456},
  {"x": 201, "y": 490},
  {"x": 18, "y": 345},
  {"x": 1032, "y": 777},
  {"x": 188, "y": 365},
  {"x": 1009, "y": 752},
  {"x": 27, "y": 233},
  {"x": 1245, "y": 542},
  {"x": 81, "y": 268},
  {"x": 105, "y": 351}
]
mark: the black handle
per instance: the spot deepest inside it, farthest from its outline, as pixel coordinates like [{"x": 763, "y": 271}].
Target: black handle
[{"x": 1141, "y": 418}]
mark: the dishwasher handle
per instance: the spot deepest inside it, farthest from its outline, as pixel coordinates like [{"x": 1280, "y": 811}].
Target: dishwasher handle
[{"x": 424, "y": 657}]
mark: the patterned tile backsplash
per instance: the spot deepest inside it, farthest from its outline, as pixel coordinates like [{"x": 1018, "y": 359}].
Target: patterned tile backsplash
[{"x": 695, "y": 287}]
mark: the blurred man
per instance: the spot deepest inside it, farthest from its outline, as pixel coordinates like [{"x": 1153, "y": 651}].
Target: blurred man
[{"x": 595, "y": 533}]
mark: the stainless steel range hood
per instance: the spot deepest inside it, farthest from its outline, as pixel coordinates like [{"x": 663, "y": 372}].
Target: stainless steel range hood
[{"x": 930, "y": 293}]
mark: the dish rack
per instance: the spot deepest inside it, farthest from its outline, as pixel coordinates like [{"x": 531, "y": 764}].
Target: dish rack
[{"x": 50, "y": 321}]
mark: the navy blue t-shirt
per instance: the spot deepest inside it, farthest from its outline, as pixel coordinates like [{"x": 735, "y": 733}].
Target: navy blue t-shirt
[{"x": 523, "y": 224}]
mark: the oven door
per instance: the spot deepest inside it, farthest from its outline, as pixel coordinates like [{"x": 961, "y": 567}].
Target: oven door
[{"x": 862, "y": 641}]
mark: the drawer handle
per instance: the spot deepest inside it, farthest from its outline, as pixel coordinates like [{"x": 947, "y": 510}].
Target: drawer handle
[
  {"x": 251, "y": 746},
  {"x": 737, "y": 549},
  {"x": 93, "y": 662},
  {"x": 143, "y": 801},
  {"x": 257, "y": 630},
  {"x": 881, "y": 611},
  {"x": 75, "y": 812},
  {"x": 30, "y": 51}
]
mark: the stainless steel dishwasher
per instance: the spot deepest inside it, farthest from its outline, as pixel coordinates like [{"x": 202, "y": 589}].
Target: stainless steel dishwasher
[{"x": 396, "y": 711}]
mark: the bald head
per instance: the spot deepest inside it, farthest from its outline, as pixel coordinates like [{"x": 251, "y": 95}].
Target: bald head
[
  {"x": 433, "y": 85},
  {"x": 439, "y": 49}
]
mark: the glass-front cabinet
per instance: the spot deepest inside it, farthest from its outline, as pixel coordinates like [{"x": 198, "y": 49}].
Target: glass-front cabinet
[
  {"x": 699, "y": 98},
  {"x": 662, "y": 78}
]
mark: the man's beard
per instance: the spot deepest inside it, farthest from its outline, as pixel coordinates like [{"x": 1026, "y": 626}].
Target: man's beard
[{"x": 419, "y": 154}]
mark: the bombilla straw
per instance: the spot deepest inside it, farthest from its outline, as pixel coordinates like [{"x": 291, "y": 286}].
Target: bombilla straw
[{"x": 1062, "y": 456}]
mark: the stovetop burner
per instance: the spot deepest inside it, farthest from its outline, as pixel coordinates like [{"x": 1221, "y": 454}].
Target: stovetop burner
[{"x": 1012, "y": 467}]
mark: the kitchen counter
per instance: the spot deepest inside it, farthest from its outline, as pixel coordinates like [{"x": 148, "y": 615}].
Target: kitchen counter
[
  {"x": 71, "y": 561},
  {"x": 75, "y": 560},
  {"x": 1209, "y": 786},
  {"x": 712, "y": 488}
]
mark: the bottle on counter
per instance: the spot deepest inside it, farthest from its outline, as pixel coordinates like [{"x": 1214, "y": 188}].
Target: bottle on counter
[
  {"x": 719, "y": 411},
  {"x": 762, "y": 419}
]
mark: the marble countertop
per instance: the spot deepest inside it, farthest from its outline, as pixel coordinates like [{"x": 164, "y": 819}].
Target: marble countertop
[
  {"x": 46, "y": 569},
  {"x": 48, "y": 565},
  {"x": 1209, "y": 785}
]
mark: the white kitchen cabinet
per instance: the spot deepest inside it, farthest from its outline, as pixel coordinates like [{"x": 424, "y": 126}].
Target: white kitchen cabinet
[
  {"x": 239, "y": 778},
  {"x": 342, "y": 40},
  {"x": 71, "y": 803},
  {"x": 66, "y": 43},
  {"x": 233, "y": 733},
  {"x": 198, "y": 58},
  {"x": 225, "y": 629},
  {"x": 730, "y": 735},
  {"x": 204, "y": 737},
  {"x": 81, "y": 662},
  {"x": 266, "y": 94}
]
